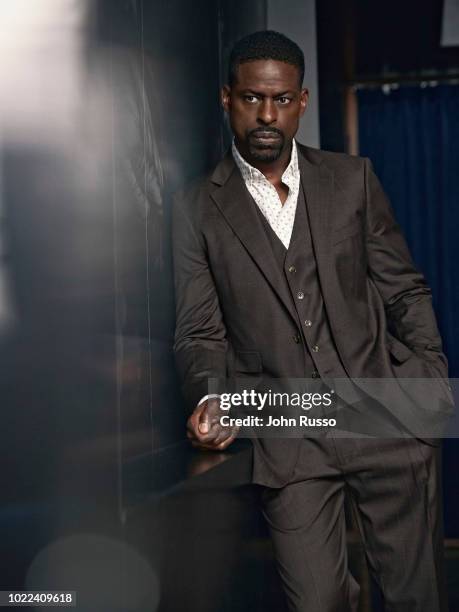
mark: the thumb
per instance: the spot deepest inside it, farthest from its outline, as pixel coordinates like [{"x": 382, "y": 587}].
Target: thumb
[{"x": 204, "y": 421}]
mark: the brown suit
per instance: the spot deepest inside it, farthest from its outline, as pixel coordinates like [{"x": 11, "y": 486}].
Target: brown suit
[{"x": 236, "y": 317}]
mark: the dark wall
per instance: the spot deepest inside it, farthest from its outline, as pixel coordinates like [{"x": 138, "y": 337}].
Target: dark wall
[
  {"x": 111, "y": 107},
  {"x": 359, "y": 40},
  {"x": 401, "y": 37}
]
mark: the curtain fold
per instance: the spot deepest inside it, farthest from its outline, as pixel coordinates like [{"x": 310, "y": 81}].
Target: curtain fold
[{"x": 412, "y": 137}]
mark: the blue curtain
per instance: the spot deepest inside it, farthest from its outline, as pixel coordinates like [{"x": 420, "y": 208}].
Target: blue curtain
[{"x": 412, "y": 137}]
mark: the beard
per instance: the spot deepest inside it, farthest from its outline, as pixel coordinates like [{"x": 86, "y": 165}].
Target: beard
[{"x": 268, "y": 151}]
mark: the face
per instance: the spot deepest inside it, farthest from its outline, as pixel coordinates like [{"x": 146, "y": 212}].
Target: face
[{"x": 264, "y": 105}]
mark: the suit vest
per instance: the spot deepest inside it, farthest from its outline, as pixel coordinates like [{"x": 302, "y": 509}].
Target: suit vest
[{"x": 298, "y": 264}]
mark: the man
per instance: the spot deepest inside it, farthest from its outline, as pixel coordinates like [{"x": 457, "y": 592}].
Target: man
[{"x": 289, "y": 264}]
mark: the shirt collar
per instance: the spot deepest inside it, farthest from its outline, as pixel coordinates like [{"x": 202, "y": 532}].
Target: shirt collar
[{"x": 251, "y": 174}]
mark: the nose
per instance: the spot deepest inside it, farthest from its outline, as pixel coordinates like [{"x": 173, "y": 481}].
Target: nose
[{"x": 267, "y": 112}]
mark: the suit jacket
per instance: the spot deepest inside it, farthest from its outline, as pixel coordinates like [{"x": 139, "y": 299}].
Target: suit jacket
[{"x": 235, "y": 316}]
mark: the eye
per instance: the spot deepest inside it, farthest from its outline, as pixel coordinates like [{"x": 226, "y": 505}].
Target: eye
[
  {"x": 283, "y": 100},
  {"x": 251, "y": 99}
]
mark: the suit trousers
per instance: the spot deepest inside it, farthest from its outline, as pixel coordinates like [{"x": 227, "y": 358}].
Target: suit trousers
[{"x": 394, "y": 487}]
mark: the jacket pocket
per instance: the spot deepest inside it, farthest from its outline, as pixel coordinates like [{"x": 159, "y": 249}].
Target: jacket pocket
[
  {"x": 342, "y": 233},
  {"x": 399, "y": 350},
  {"x": 247, "y": 362},
  {"x": 443, "y": 381}
]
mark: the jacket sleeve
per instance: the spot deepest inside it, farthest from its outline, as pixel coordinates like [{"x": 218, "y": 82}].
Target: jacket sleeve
[
  {"x": 200, "y": 345},
  {"x": 406, "y": 296}
]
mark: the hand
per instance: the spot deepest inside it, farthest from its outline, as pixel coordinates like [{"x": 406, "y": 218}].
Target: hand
[{"x": 204, "y": 428}]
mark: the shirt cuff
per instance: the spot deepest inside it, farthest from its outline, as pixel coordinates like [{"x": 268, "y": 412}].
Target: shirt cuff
[{"x": 206, "y": 397}]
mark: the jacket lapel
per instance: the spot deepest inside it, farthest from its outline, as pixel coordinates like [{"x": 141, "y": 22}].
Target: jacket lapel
[
  {"x": 319, "y": 191},
  {"x": 238, "y": 207},
  {"x": 236, "y": 204}
]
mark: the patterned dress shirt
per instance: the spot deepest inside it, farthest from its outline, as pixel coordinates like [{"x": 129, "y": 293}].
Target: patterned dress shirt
[{"x": 279, "y": 216}]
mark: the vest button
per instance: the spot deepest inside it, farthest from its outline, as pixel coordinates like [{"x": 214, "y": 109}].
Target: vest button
[
  {"x": 315, "y": 348},
  {"x": 296, "y": 338},
  {"x": 292, "y": 269},
  {"x": 308, "y": 323},
  {"x": 300, "y": 295},
  {"x": 314, "y": 374}
]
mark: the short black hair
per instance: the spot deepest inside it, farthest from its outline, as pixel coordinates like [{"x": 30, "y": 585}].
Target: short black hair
[{"x": 266, "y": 44}]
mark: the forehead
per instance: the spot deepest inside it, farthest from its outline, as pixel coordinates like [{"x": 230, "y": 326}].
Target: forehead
[{"x": 267, "y": 74}]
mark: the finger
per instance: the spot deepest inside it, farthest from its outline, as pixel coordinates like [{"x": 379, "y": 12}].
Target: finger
[
  {"x": 204, "y": 424},
  {"x": 225, "y": 433},
  {"x": 192, "y": 423},
  {"x": 201, "y": 446},
  {"x": 211, "y": 440},
  {"x": 207, "y": 447},
  {"x": 211, "y": 435},
  {"x": 213, "y": 445},
  {"x": 227, "y": 442},
  {"x": 231, "y": 435},
  {"x": 192, "y": 428},
  {"x": 193, "y": 418},
  {"x": 207, "y": 420}
]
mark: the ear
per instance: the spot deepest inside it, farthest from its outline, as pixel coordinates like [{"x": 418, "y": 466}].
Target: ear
[
  {"x": 304, "y": 98},
  {"x": 226, "y": 98}
]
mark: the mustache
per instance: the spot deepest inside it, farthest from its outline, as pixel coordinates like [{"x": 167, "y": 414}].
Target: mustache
[{"x": 266, "y": 130}]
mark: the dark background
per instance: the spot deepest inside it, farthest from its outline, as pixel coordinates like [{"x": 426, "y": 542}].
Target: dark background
[{"x": 101, "y": 492}]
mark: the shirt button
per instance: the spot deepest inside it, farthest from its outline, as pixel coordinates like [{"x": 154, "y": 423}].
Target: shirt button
[
  {"x": 315, "y": 348},
  {"x": 292, "y": 269},
  {"x": 300, "y": 295},
  {"x": 296, "y": 338},
  {"x": 308, "y": 323},
  {"x": 314, "y": 374}
]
